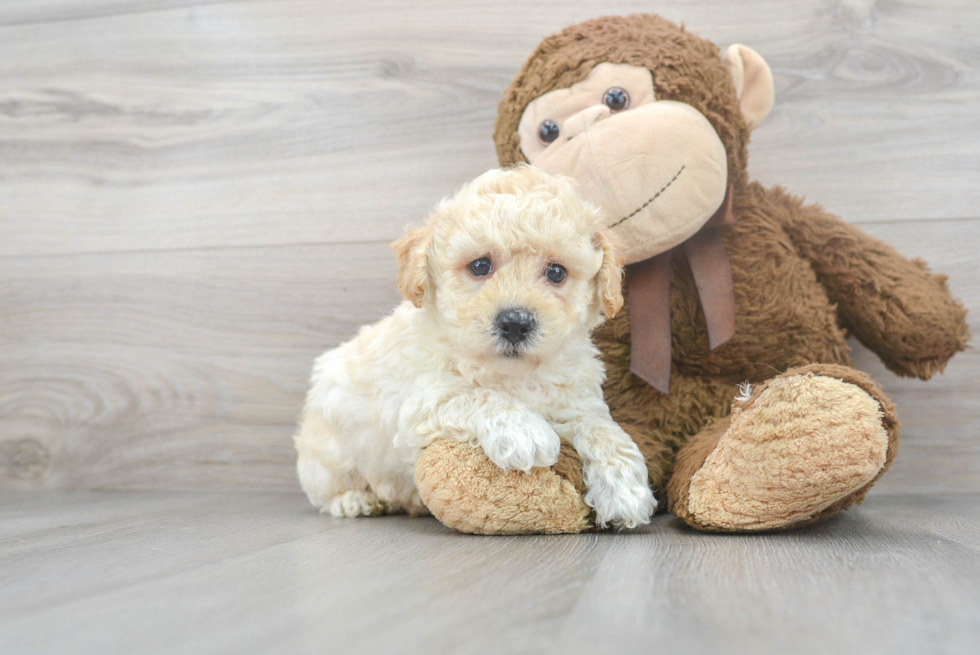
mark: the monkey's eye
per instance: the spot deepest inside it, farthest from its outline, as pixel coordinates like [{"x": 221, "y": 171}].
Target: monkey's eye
[
  {"x": 616, "y": 98},
  {"x": 548, "y": 131},
  {"x": 555, "y": 273},
  {"x": 481, "y": 267}
]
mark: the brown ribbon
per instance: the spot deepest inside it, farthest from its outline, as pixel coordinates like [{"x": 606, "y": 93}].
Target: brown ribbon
[{"x": 649, "y": 298}]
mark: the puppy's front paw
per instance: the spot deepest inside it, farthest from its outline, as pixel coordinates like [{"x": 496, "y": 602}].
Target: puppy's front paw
[
  {"x": 619, "y": 494},
  {"x": 521, "y": 442}
]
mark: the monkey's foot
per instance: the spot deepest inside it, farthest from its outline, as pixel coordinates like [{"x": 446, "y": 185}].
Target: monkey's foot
[
  {"x": 467, "y": 492},
  {"x": 804, "y": 446}
]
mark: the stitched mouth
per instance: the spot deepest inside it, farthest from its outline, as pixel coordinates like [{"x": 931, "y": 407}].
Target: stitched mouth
[{"x": 652, "y": 198}]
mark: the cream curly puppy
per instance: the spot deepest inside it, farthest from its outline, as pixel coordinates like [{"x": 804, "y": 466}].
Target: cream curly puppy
[{"x": 503, "y": 287}]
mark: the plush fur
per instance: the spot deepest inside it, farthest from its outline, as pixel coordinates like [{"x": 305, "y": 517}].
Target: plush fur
[
  {"x": 829, "y": 452},
  {"x": 440, "y": 367},
  {"x": 476, "y": 496},
  {"x": 803, "y": 280}
]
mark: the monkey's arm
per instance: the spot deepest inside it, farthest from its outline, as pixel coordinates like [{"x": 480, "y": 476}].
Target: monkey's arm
[{"x": 893, "y": 305}]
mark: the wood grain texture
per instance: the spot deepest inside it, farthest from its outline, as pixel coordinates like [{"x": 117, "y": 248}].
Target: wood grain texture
[
  {"x": 221, "y": 573},
  {"x": 257, "y": 123},
  {"x": 181, "y": 369},
  {"x": 196, "y": 199}
]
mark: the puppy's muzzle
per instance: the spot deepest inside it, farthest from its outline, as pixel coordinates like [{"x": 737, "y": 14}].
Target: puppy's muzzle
[{"x": 516, "y": 326}]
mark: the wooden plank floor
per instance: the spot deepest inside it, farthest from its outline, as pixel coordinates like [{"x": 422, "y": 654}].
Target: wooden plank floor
[
  {"x": 197, "y": 572},
  {"x": 196, "y": 198}
]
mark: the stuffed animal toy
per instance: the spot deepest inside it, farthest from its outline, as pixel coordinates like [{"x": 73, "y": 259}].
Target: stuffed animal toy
[{"x": 729, "y": 364}]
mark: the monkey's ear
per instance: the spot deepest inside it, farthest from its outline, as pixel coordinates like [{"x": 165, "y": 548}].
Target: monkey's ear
[
  {"x": 753, "y": 82},
  {"x": 609, "y": 279},
  {"x": 412, "y": 252}
]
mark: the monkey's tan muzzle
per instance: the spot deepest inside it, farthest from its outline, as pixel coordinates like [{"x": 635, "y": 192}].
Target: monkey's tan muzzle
[{"x": 659, "y": 171}]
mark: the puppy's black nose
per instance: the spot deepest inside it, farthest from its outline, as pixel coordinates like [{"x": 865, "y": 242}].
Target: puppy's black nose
[{"x": 515, "y": 325}]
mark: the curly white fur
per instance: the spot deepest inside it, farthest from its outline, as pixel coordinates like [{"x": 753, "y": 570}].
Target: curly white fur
[{"x": 436, "y": 369}]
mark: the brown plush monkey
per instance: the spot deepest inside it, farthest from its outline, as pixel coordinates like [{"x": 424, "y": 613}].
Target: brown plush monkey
[{"x": 727, "y": 282}]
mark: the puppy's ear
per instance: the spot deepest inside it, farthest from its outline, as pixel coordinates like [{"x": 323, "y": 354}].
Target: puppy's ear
[
  {"x": 412, "y": 252},
  {"x": 609, "y": 279}
]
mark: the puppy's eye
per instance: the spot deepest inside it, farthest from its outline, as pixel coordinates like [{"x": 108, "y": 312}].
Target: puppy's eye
[
  {"x": 481, "y": 267},
  {"x": 616, "y": 98},
  {"x": 555, "y": 273},
  {"x": 548, "y": 131}
]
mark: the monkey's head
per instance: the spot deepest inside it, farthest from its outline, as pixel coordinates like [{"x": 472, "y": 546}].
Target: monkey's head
[{"x": 651, "y": 120}]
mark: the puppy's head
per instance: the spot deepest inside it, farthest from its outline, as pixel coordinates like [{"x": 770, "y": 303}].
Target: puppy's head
[{"x": 512, "y": 266}]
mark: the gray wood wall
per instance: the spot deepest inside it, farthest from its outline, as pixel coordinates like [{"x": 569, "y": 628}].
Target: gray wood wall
[{"x": 196, "y": 199}]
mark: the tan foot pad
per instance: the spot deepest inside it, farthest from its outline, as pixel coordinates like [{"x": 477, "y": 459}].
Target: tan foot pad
[
  {"x": 467, "y": 492},
  {"x": 799, "y": 445}
]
